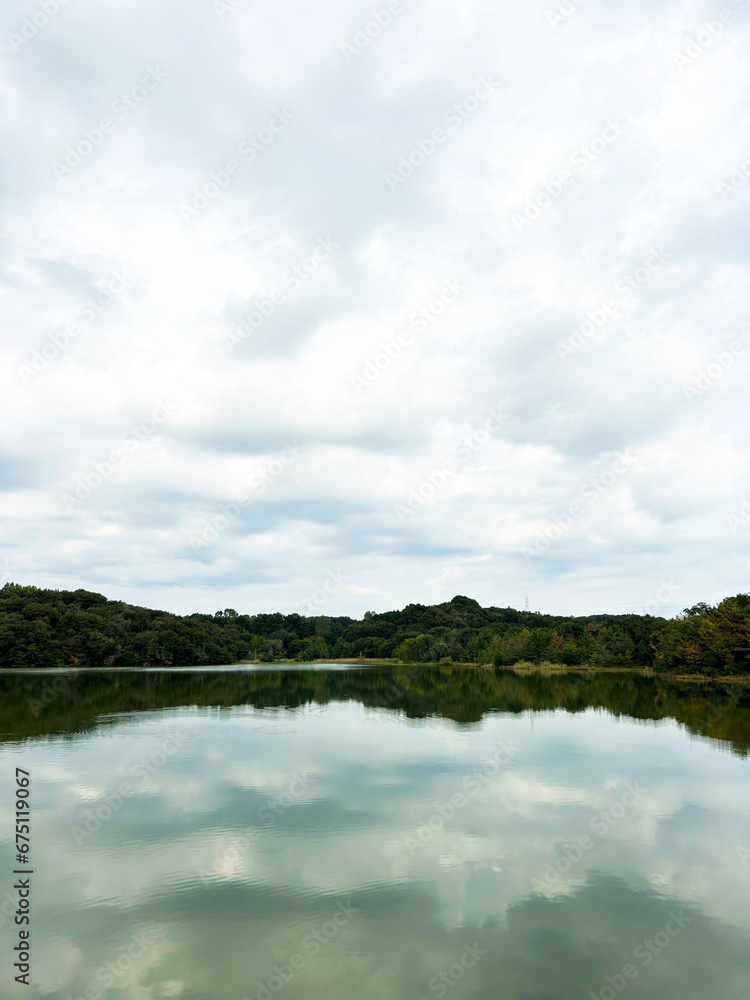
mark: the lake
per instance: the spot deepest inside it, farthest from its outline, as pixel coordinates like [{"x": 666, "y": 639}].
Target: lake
[{"x": 379, "y": 834}]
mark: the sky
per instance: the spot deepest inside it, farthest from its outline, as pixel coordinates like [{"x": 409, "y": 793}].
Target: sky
[{"x": 335, "y": 308}]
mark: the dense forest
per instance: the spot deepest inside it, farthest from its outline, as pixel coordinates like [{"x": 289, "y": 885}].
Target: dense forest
[{"x": 53, "y": 628}]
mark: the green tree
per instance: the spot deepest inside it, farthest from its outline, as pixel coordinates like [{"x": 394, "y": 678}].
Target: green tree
[{"x": 414, "y": 650}]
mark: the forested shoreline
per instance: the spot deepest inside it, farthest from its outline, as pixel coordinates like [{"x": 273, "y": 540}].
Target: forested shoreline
[{"x": 54, "y": 628}]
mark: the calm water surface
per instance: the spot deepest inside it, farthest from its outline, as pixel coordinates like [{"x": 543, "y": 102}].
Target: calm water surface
[{"x": 380, "y": 834}]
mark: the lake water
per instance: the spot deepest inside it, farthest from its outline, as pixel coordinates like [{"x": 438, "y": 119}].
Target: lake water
[{"x": 379, "y": 834}]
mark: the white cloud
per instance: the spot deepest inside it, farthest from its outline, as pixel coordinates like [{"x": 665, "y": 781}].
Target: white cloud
[{"x": 654, "y": 183}]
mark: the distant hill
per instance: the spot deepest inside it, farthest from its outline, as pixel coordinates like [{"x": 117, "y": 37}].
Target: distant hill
[{"x": 52, "y": 628}]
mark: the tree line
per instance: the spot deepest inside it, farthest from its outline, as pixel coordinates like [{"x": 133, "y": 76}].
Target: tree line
[{"x": 54, "y": 628}]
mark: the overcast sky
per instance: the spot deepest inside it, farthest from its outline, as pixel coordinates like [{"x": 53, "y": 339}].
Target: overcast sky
[{"x": 307, "y": 306}]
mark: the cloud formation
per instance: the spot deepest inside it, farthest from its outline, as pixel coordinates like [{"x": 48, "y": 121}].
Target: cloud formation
[{"x": 360, "y": 233}]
